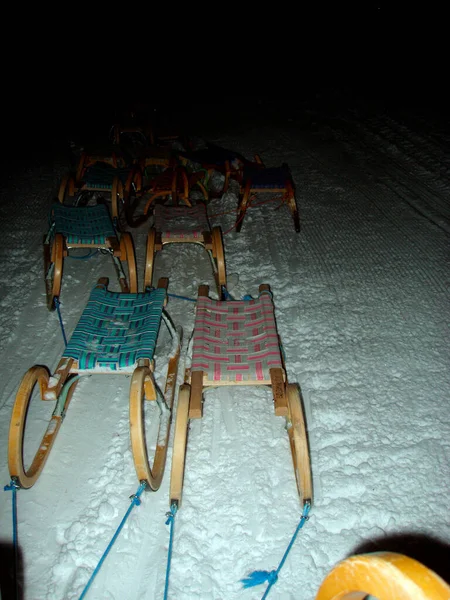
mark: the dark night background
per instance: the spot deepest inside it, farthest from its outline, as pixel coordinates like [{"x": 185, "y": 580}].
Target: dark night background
[{"x": 220, "y": 68}]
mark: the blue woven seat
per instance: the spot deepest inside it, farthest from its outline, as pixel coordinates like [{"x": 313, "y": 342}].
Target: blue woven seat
[
  {"x": 100, "y": 175},
  {"x": 116, "y": 330},
  {"x": 83, "y": 225},
  {"x": 271, "y": 177}
]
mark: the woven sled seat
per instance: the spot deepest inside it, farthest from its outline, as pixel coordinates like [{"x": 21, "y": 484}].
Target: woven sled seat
[
  {"x": 83, "y": 225},
  {"x": 116, "y": 330},
  {"x": 100, "y": 175},
  {"x": 181, "y": 221},
  {"x": 236, "y": 342},
  {"x": 257, "y": 178},
  {"x": 267, "y": 177}
]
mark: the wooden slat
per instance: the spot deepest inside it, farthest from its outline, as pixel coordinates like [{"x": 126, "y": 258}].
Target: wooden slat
[
  {"x": 59, "y": 377},
  {"x": 279, "y": 392},
  {"x": 196, "y": 404}
]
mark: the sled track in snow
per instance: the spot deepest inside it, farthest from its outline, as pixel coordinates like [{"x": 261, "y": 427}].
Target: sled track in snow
[
  {"x": 422, "y": 240},
  {"x": 413, "y": 166},
  {"x": 420, "y": 175}
]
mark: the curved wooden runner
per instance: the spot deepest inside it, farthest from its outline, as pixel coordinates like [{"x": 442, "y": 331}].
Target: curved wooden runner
[
  {"x": 151, "y": 474},
  {"x": 40, "y": 376}
]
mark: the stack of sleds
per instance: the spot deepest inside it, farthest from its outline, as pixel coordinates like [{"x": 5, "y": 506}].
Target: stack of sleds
[{"x": 234, "y": 342}]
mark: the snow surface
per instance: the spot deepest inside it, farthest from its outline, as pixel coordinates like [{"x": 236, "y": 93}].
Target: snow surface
[{"x": 361, "y": 298}]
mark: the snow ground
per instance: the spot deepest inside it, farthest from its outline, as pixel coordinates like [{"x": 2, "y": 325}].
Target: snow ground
[{"x": 361, "y": 298}]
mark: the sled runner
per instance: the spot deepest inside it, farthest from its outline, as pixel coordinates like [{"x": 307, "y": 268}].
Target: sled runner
[
  {"x": 89, "y": 227},
  {"x": 175, "y": 182},
  {"x": 236, "y": 343},
  {"x": 185, "y": 225},
  {"x": 116, "y": 334},
  {"x": 258, "y": 179},
  {"x": 153, "y": 160}
]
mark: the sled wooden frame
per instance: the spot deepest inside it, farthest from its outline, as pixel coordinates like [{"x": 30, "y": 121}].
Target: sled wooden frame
[
  {"x": 131, "y": 121},
  {"x": 248, "y": 189},
  {"x": 226, "y": 166},
  {"x": 165, "y": 136},
  {"x": 176, "y": 183},
  {"x": 211, "y": 241},
  {"x": 385, "y": 576},
  {"x": 60, "y": 387},
  {"x": 121, "y": 191},
  {"x": 110, "y": 156},
  {"x": 118, "y": 130},
  {"x": 225, "y": 169},
  {"x": 155, "y": 156},
  {"x": 56, "y": 249},
  {"x": 287, "y": 403}
]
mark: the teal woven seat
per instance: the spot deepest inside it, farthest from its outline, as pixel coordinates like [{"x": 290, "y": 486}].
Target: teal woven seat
[
  {"x": 100, "y": 175},
  {"x": 116, "y": 330},
  {"x": 83, "y": 225}
]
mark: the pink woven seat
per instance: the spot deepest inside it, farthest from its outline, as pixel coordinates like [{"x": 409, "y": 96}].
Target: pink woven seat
[
  {"x": 236, "y": 342},
  {"x": 181, "y": 222},
  {"x": 174, "y": 224}
]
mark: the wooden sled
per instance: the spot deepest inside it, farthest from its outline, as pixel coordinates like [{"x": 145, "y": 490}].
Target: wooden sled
[
  {"x": 140, "y": 136},
  {"x": 236, "y": 343},
  {"x": 186, "y": 225},
  {"x": 384, "y": 576},
  {"x": 87, "y": 227},
  {"x": 257, "y": 179},
  {"x": 154, "y": 160},
  {"x": 175, "y": 182},
  {"x": 104, "y": 341},
  {"x": 106, "y": 172},
  {"x": 215, "y": 158},
  {"x": 108, "y": 154}
]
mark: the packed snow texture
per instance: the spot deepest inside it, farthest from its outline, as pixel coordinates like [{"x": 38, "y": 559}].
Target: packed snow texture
[{"x": 362, "y": 308}]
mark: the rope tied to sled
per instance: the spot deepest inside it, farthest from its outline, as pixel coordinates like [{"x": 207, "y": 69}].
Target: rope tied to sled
[
  {"x": 58, "y": 310},
  {"x": 171, "y": 522},
  {"x": 259, "y": 577},
  {"x": 13, "y": 486},
  {"x": 182, "y": 297},
  {"x": 135, "y": 501}
]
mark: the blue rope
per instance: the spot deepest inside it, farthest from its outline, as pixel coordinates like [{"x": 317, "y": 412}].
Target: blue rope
[
  {"x": 258, "y": 577},
  {"x": 226, "y": 294},
  {"x": 13, "y": 486},
  {"x": 250, "y": 297},
  {"x": 57, "y": 304},
  {"x": 135, "y": 501},
  {"x": 171, "y": 522},
  {"x": 182, "y": 297}
]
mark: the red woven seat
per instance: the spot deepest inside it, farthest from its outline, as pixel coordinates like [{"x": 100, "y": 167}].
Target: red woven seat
[
  {"x": 236, "y": 342},
  {"x": 182, "y": 222}
]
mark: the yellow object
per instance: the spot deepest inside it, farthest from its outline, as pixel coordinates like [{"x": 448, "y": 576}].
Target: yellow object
[{"x": 384, "y": 575}]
